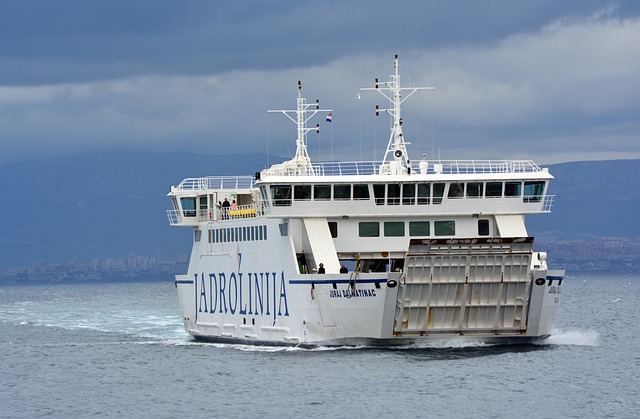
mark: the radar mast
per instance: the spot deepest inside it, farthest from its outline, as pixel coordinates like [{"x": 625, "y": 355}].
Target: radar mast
[
  {"x": 396, "y": 158},
  {"x": 301, "y": 163}
]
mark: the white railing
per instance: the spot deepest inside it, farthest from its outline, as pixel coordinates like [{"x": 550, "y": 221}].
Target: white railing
[
  {"x": 422, "y": 166},
  {"x": 547, "y": 203},
  {"x": 191, "y": 217},
  {"x": 217, "y": 182}
]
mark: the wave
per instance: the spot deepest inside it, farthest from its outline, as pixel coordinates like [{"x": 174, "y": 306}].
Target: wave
[{"x": 573, "y": 337}]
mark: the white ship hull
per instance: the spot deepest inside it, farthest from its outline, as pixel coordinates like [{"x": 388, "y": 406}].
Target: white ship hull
[{"x": 251, "y": 292}]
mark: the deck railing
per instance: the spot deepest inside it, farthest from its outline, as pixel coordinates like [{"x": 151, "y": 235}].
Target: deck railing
[
  {"x": 217, "y": 182},
  {"x": 190, "y": 217},
  {"x": 423, "y": 166}
]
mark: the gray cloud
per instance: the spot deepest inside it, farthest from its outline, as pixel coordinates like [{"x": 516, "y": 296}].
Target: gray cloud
[{"x": 553, "y": 82}]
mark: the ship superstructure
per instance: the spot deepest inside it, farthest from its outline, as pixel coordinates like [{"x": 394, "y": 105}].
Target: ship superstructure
[{"x": 376, "y": 253}]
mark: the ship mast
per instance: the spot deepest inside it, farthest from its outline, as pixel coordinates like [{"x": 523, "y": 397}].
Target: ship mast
[
  {"x": 396, "y": 158},
  {"x": 301, "y": 163}
]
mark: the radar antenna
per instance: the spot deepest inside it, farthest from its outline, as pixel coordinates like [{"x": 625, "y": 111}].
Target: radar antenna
[{"x": 396, "y": 159}]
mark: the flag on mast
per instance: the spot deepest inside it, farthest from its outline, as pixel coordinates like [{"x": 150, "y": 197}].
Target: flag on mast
[{"x": 329, "y": 117}]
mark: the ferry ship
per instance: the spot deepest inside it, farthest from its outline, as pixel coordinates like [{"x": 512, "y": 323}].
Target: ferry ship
[{"x": 395, "y": 252}]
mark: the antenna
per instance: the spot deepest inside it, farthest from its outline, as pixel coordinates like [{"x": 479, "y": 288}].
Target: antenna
[
  {"x": 301, "y": 163},
  {"x": 396, "y": 159}
]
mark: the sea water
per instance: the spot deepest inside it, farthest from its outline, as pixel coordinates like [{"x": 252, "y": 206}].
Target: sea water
[{"x": 119, "y": 350}]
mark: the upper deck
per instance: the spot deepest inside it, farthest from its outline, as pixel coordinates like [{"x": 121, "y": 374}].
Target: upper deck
[{"x": 454, "y": 188}]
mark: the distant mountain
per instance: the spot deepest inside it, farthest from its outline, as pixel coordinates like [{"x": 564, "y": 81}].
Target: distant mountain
[
  {"x": 107, "y": 204},
  {"x": 593, "y": 199},
  {"x": 113, "y": 203}
]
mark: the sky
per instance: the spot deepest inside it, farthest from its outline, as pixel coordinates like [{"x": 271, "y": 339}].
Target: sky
[{"x": 546, "y": 80}]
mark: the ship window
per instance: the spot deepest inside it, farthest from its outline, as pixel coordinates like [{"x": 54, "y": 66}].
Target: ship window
[
  {"x": 369, "y": 229},
  {"x": 302, "y": 192},
  {"x": 424, "y": 191},
  {"x": 494, "y": 189},
  {"x": 188, "y": 207},
  {"x": 265, "y": 195},
  {"x": 197, "y": 235},
  {"x": 512, "y": 189},
  {"x": 333, "y": 228},
  {"x": 378, "y": 193},
  {"x": 174, "y": 203},
  {"x": 360, "y": 191},
  {"x": 284, "y": 229},
  {"x": 203, "y": 202},
  {"x": 265, "y": 232},
  {"x": 281, "y": 195},
  {"x": 408, "y": 194},
  {"x": 393, "y": 194},
  {"x": 533, "y": 191},
  {"x": 438, "y": 192},
  {"x": 260, "y": 233},
  {"x": 394, "y": 228},
  {"x": 419, "y": 228},
  {"x": 444, "y": 228},
  {"x": 322, "y": 192},
  {"x": 483, "y": 227},
  {"x": 474, "y": 189},
  {"x": 244, "y": 234},
  {"x": 341, "y": 192},
  {"x": 456, "y": 190},
  {"x": 253, "y": 233}
]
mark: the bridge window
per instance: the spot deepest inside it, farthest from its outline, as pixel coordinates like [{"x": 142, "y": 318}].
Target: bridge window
[
  {"x": 203, "y": 202},
  {"x": 533, "y": 191},
  {"x": 512, "y": 189},
  {"x": 188, "y": 206},
  {"x": 408, "y": 194},
  {"x": 322, "y": 192},
  {"x": 419, "y": 228},
  {"x": 369, "y": 229},
  {"x": 302, "y": 192},
  {"x": 265, "y": 195},
  {"x": 456, "y": 190},
  {"x": 474, "y": 189},
  {"x": 281, "y": 195},
  {"x": 393, "y": 194},
  {"x": 424, "y": 192},
  {"x": 378, "y": 193},
  {"x": 360, "y": 191},
  {"x": 438, "y": 192},
  {"x": 444, "y": 228},
  {"x": 341, "y": 192},
  {"x": 494, "y": 190},
  {"x": 394, "y": 228}
]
